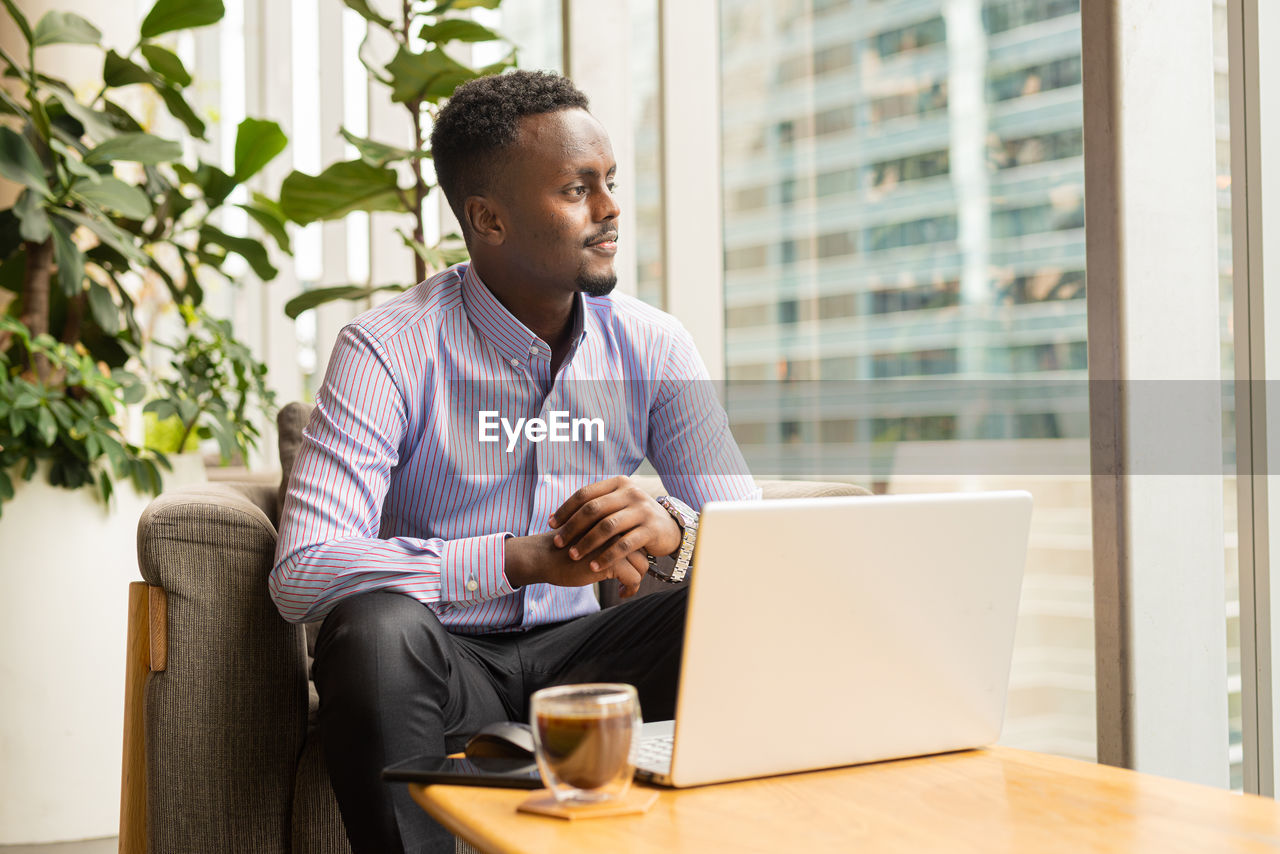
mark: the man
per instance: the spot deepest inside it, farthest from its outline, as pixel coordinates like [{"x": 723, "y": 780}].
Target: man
[{"x": 453, "y": 560}]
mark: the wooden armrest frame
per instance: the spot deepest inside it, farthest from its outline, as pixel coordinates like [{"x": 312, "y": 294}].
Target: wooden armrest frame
[{"x": 147, "y": 652}]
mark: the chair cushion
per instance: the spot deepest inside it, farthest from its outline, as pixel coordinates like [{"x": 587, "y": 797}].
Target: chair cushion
[{"x": 290, "y": 423}]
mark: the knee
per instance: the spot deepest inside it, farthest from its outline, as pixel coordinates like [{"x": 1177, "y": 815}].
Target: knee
[{"x": 379, "y": 628}]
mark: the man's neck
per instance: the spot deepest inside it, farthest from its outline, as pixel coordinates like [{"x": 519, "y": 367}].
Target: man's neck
[{"x": 549, "y": 315}]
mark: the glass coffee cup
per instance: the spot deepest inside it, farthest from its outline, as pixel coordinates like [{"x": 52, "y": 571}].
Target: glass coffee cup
[{"x": 584, "y": 738}]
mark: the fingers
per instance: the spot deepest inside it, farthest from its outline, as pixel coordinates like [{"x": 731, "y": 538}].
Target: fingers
[
  {"x": 607, "y": 529},
  {"x": 630, "y": 571},
  {"x": 641, "y": 565},
  {"x": 584, "y": 495},
  {"x": 589, "y": 512}
]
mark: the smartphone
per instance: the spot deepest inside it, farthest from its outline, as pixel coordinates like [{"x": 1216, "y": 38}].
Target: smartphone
[{"x": 460, "y": 771}]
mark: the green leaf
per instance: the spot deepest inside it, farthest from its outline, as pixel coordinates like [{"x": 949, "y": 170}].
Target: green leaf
[
  {"x": 135, "y": 148},
  {"x": 71, "y": 160},
  {"x": 19, "y": 162},
  {"x": 35, "y": 222},
  {"x": 46, "y": 427},
  {"x": 96, "y": 124},
  {"x": 10, "y": 236},
  {"x": 310, "y": 299},
  {"x": 107, "y": 233},
  {"x": 6, "y": 486},
  {"x": 458, "y": 5},
  {"x": 433, "y": 74},
  {"x": 20, "y": 19},
  {"x": 271, "y": 223},
  {"x": 167, "y": 64},
  {"x": 104, "y": 487},
  {"x": 12, "y": 106},
  {"x": 344, "y": 187},
  {"x": 169, "y": 15},
  {"x": 191, "y": 287},
  {"x": 269, "y": 205},
  {"x": 363, "y": 9},
  {"x": 65, "y": 28},
  {"x": 12, "y": 271},
  {"x": 257, "y": 144},
  {"x": 116, "y": 195},
  {"x": 104, "y": 310},
  {"x": 379, "y": 153},
  {"x": 430, "y": 258},
  {"x": 212, "y": 181},
  {"x": 70, "y": 260},
  {"x": 119, "y": 71},
  {"x": 246, "y": 247},
  {"x": 120, "y": 119},
  {"x": 456, "y": 30},
  {"x": 180, "y": 109}
]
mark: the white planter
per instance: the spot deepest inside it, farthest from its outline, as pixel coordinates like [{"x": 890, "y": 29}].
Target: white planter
[{"x": 65, "y": 565}]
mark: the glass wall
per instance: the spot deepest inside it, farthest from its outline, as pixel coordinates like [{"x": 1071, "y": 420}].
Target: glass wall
[
  {"x": 534, "y": 26},
  {"x": 646, "y": 130},
  {"x": 905, "y": 280}
]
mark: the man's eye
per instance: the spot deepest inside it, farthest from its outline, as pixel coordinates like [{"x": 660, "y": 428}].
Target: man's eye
[
  {"x": 578, "y": 191},
  {"x": 613, "y": 186}
]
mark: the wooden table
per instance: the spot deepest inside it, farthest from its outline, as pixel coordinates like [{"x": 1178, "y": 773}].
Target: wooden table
[{"x": 980, "y": 801}]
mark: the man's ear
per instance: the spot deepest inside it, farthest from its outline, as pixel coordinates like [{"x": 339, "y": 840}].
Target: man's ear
[{"x": 485, "y": 220}]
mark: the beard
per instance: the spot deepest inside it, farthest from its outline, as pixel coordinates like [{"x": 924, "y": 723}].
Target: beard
[{"x": 596, "y": 285}]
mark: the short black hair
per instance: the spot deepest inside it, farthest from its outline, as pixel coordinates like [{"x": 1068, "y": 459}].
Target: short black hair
[{"x": 478, "y": 124}]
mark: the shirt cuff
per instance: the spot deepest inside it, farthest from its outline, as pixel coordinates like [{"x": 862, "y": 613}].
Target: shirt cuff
[{"x": 473, "y": 569}]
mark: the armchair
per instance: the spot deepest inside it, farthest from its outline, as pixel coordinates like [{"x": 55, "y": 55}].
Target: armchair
[{"x": 221, "y": 749}]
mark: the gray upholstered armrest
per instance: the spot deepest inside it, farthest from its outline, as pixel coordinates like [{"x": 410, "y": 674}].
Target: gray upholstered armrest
[{"x": 226, "y": 718}]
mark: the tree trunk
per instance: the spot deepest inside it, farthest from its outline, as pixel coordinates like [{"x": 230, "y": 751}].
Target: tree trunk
[
  {"x": 35, "y": 297},
  {"x": 75, "y": 317},
  {"x": 35, "y": 287}
]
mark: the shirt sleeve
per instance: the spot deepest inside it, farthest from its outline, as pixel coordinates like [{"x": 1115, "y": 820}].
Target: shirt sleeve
[
  {"x": 689, "y": 441},
  {"x": 329, "y": 546}
]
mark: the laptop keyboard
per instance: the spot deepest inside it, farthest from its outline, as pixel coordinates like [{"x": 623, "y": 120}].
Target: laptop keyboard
[{"x": 654, "y": 753}]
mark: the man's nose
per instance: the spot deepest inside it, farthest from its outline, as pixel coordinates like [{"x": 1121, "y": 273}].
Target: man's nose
[{"x": 608, "y": 206}]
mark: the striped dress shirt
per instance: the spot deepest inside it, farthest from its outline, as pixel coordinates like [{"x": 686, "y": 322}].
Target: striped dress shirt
[{"x": 408, "y": 479}]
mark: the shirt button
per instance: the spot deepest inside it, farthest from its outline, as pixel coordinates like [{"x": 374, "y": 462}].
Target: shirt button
[
  {"x": 472, "y": 585},
  {"x": 533, "y": 348},
  {"x": 546, "y": 478},
  {"x": 515, "y": 363}
]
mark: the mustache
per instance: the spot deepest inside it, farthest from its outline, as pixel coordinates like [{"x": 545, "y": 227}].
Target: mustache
[{"x": 612, "y": 234}]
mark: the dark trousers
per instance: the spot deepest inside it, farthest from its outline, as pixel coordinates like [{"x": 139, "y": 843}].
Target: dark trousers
[{"x": 393, "y": 683}]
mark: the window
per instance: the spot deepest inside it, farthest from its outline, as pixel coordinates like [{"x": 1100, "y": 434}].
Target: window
[
  {"x": 883, "y": 314},
  {"x": 1033, "y": 79},
  {"x": 1026, "y": 150},
  {"x": 923, "y": 34},
  {"x": 1005, "y": 15}
]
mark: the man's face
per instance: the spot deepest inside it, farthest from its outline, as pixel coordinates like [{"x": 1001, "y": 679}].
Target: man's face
[{"x": 557, "y": 192}]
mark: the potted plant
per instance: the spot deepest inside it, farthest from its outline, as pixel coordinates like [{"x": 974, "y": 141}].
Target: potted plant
[
  {"x": 420, "y": 73},
  {"x": 214, "y": 385},
  {"x": 109, "y": 209}
]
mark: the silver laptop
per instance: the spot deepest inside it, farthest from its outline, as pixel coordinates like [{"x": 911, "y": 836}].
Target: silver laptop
[{"x": 836, "y": 631}]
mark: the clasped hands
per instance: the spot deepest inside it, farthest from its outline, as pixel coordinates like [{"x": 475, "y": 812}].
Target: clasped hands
[{"x": 606, "y": 529}]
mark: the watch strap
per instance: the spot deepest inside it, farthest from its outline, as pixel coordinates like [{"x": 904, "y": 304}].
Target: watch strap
[{"x": 687, "y": 518}]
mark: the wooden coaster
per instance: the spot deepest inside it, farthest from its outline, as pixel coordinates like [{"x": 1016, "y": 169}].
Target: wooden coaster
[{"x": 636, "y": 802}]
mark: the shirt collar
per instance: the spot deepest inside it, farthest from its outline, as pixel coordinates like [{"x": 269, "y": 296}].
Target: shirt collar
[{"x": 515, "y": 341}]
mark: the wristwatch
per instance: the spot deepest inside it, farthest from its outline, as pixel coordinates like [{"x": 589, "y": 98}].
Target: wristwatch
[{"x": 687, "y": 518}]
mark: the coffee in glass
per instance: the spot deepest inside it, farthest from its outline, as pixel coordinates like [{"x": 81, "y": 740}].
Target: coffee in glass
[{"x": 584, "y": 736}]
